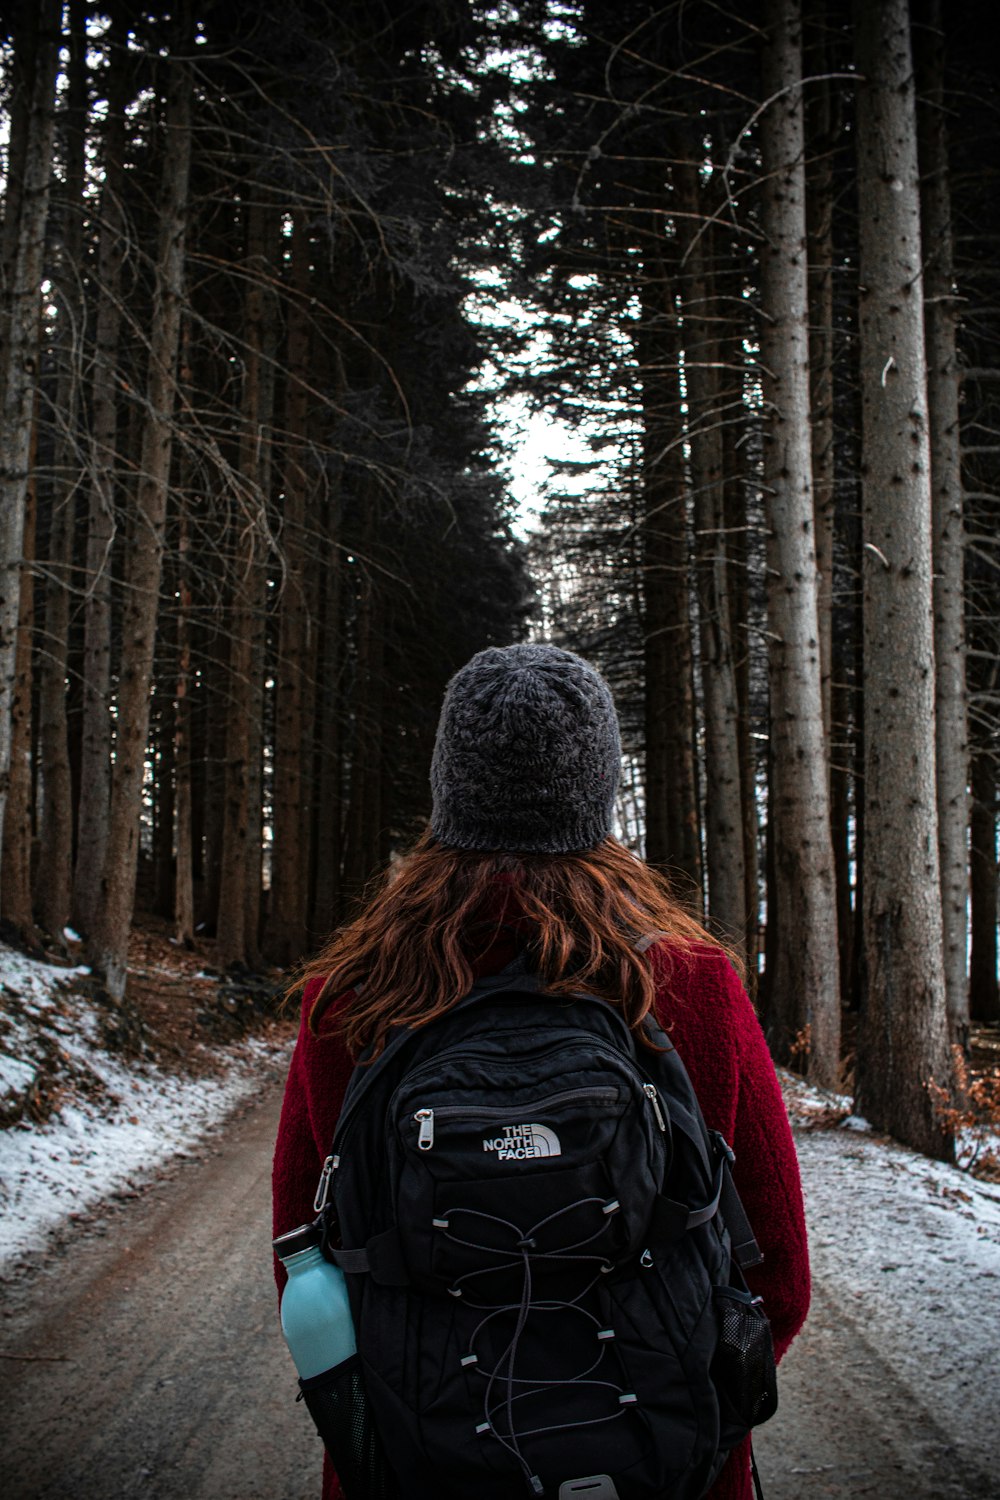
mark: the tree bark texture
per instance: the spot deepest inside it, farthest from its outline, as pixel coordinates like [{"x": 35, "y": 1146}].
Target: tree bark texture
[
  {"x": 805, "y": 991},
  {"x": 672, "y": 825},
  {"x": 24, "y": 38},
  {"x": 20, "y": 360},
  {"x": 820, "y": 132},
  {"x": 109, "y": 944},
  {"x": 904, "y": 1038},
  {"x": 15, "y": 866},
  {"x": 947, "y": 502},
  {"x": 736, "y": 430},
  {"x": 100, "y": 479},
  {"x": 723, "y": 812},
  {"x": 55, "y": 855}
]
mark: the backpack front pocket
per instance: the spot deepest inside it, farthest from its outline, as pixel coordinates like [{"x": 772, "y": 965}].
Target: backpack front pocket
[{"x": 489, "y": 1187}]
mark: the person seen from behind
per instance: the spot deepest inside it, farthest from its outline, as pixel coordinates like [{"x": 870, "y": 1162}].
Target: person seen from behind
[{"x": 519, "y": 863}]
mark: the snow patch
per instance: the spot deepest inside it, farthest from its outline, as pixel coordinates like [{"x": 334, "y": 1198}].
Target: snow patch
[
  {"x": 113, "y": 1136},
  {"x": 913, "y": 1249},
  {"x": 15, "y": 1077}
]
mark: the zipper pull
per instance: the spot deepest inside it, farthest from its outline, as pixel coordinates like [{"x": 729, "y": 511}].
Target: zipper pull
[
  {"x": 323, "y": 1186},
  {"x": 425, "y": 1139},
  {"x": 649, "y": 1090}
]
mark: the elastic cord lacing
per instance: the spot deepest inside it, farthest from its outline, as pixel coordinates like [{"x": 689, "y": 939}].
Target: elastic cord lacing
[{"x": 500, "y": 1394}]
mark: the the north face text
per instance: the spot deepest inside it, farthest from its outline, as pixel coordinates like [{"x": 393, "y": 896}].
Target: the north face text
[{"x": 519, "y": 1142}]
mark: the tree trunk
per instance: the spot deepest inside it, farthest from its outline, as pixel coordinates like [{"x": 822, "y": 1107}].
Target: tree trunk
[
  {"x": 947, "y": 511},
  {"x": 903, "y": 1039},
  {"x": 840, "y": 826},
  {"x": 672, "y": 831},
  {"x": 329, "y": 809},
  {"x": 238, "y": 940},
  {"x": 820, "y": 133},
  {"x": 109, "y": 942},
  {"x": 723, "y": 810},
  {"x": 365, "y": 807},
  {"x": 805, "y": 989},
  {"x": 95, "y": 747},
  {"x": 163, "y": 789},
  {"x": 183, "y": 840},
  {"x": 209, "y": 808},
  {"x": 984, "y": 991},
  {"x": 822, "y": 130},
  {"x": 55, "y": 854},
  {"x": 15, "y": 866},
  {"x": 736, "y": 430},
  {"x": 286, "y": 928},
  {"x": 258, "y": 634},
  {"x": 19, "y": 375},
  {"x": 307, "y": 754}
]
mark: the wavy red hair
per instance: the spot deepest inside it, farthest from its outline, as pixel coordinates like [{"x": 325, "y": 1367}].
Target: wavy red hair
[{"x": 409, "y": 954}]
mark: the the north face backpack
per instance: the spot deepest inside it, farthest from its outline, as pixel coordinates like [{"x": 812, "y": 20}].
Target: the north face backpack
[{"x": 542, "y": 1244}]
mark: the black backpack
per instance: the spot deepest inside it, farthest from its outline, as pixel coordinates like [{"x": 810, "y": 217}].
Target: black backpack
[{"x": 542, "y": 1244}]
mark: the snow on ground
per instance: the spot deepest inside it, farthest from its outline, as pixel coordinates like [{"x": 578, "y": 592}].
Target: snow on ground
[
  {"x": 912, "y": 1247},
  {"x": 108, "y": 1135}
]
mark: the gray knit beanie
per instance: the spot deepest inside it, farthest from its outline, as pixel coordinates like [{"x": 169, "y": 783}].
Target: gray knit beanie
[{"x": 528, "y": 754}]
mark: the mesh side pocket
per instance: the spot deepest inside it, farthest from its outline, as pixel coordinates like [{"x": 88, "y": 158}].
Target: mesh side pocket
[
  {"x": 338, "y": 1404},
  {"x": 743, "y": 1368}
]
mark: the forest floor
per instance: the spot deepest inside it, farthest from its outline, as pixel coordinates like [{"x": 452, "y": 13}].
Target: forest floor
[{"x": 139, "y": 1349}]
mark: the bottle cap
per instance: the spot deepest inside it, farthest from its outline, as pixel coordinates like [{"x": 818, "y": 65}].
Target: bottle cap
[{"x": 303, "y": 1238}]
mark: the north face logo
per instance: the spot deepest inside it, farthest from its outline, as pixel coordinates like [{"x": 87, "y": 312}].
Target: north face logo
[{"x": 519, "y": 1142}]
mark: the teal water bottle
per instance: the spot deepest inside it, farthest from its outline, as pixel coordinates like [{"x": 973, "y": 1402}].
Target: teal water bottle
[
  {"x": 317, "y": 1323},
  {"x": 315, "y": 1312}
]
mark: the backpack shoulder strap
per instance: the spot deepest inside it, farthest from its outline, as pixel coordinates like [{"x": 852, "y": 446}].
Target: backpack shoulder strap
[{"x": 688, "y": 1117}]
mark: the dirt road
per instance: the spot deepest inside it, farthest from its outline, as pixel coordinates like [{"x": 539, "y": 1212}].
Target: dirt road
[
  {"x": 165, "y": 1372},
  {"x": 164, "y": 1376}
]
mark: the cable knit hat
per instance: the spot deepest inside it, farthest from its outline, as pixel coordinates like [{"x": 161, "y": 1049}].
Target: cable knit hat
[{"x": 528, "y": 754}]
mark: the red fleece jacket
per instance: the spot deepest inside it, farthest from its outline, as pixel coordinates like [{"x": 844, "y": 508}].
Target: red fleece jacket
[{"x": 712, "y": 1023}]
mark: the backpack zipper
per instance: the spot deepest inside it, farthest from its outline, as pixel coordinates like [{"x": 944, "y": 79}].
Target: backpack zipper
[
  {"x": 426, "y": 1117},
  {"x": 649, "y": 1089}
]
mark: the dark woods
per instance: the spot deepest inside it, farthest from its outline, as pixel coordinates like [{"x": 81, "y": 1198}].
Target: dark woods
[
  {"x": 257, "y": 269},
  {"x": 264, "y": 509}
]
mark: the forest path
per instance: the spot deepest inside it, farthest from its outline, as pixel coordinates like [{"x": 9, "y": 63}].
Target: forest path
[
  {"x": 164, "y": 1376},
  {"x": 168, "y": 1374},
  {"x": 848, "y": 1424}
]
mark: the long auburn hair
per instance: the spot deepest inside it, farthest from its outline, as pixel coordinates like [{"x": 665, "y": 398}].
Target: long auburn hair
[{"x": 408, "y": 954}]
